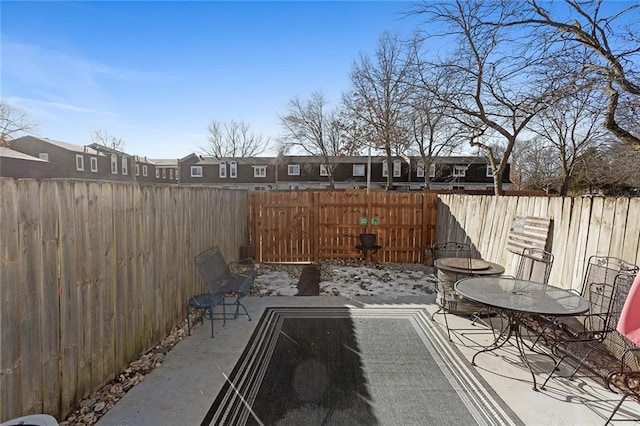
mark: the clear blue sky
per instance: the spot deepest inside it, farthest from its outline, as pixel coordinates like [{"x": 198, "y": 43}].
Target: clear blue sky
[{"x": 156, "y": 72}]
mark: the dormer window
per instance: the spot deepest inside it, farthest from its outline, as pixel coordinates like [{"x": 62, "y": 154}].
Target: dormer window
[
  {"x": 293, "y": 170},
  {"x": 420, "y": 169},
  {"x": 489, "y": 171},
  {"x": 114, "y": 164},
  {"x": 79, "y": 163},
  {"x": 125, "y": 169},
  {"x": 233, "y": 170},
  {"x": 223, "y": 170},
  {"x": 94, "y": 164},
  {"x": 459, "y": 171},
  {"x": 397, "y": 168}
]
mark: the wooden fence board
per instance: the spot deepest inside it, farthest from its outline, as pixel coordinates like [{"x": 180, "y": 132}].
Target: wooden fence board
[
  {"x": 69, "y": 305},
  {"x": 632, "y": 233},
  {"x": 29, "y": 298},
  {"x": 618, "y": 227},
  {"x": 10, "y": 379},
  {"x": 50, "y": 300}
]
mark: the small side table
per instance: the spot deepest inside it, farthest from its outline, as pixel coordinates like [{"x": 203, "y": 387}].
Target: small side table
[{"x": 367, "y": 253}]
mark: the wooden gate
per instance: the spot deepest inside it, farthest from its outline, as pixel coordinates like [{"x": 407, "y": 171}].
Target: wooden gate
[{"x": 306, "y": 226}]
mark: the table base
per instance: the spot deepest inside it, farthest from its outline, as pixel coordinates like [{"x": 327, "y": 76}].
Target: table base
[{"x": 513, "y": 329}]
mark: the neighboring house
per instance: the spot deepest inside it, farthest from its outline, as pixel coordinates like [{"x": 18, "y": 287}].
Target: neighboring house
[
  {"x": 166, "y": 171},
  {"x": 20, "y": 165},
  {"x": 307, "y": 172},
  {"x": 65, "y": 160},
  {"x": 253, "y": 173},
  {"x": 95, "y": 162},
  {"x": 134, "y": 167}
]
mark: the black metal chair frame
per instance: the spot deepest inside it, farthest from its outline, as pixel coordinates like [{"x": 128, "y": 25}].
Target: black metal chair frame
[
  {"x": 584, "y": 335},
  {"x": 221, "y": 283},
  {"x": 442, "y": 250},
  {"x": 531, "y": 260}
]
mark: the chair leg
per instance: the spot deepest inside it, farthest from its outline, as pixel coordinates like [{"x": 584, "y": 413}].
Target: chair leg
[
  {"x": 188, "y": 322},
  {"x": 238, "y": 305},
  {"x": 211, "y": 315},
  {"x": 615, "y": 410}
]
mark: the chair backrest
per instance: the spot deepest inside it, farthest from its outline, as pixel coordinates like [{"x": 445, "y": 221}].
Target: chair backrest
[
  {"x": 453, "y": 249},
  {"x": 212, "y": 266},
  {"x": 535, "y": 265},
  {"x": 606, "y": 300},
  {"x": 615, "y": 342},
  {"x": 605, "y": 269}
]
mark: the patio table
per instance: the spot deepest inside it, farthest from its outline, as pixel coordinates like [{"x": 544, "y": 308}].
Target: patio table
[{"x": 515, "y": 299}]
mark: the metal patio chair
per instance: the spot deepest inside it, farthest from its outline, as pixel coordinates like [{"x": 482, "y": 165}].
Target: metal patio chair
[
  {"x": 222, "y": 282},
  {"x": 535, "y": 265},
  {"x": 445, "y": 293},
  {"x": 582, "y": 338},
  {"x": 600, "y": 269}
]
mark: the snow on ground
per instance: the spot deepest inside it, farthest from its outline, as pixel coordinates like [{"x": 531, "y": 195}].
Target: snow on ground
[{"x": 349, "y": 279}]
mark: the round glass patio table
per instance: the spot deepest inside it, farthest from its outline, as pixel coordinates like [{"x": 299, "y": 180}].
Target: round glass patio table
[{"x": 516, "y": 298}]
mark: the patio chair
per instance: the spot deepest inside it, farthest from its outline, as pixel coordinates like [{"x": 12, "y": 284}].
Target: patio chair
[
  {"x": 581, "y": 339},
  {"x": 446, "y": 296},
  {"x": 221, "y": 282},
  {"x": 600, "y": 269},
  {"x": 535, "y": 265}
]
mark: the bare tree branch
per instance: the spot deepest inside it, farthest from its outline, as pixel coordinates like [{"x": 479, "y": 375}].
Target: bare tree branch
[
  {"x": 233, "y": 139},
  {"x": 13, "y": 121},
  {"x": 104, "y": 138}
]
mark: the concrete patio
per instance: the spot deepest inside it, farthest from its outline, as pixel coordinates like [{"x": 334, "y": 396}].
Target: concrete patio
[{"x": 182, "y": 389}]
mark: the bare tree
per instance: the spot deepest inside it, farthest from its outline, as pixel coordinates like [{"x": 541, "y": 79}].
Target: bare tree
[
  {"x": 537, "y": 165},
  {"x": 13, "y": 121},
  {"x": 609, "y": 169},
  {"x": 104, "y": 138},
  {"x": 614, "y": 41},
  {"x": 571, "y": 126},
  {"x": 433, "y": 131},
  {"x": 309, "y": 127},
  {"x": 379, "y": 97},
  {"x": 497, "y": 89},
  {"x": 233, "y": 139}
]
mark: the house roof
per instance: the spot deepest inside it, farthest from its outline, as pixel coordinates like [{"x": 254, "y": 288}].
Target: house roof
[
  {"x": 10, "y": 153},
  {"x": 351, "y": 159},
  {"x": 164, "y": 162},
  {"x": 65, "y": 145}
]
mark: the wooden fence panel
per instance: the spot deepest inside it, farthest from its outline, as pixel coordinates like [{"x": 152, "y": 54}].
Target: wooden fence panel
[
  {"x": 582, "y": 227},
  {"x": 93, "y": 274},
  {"x": 338, "y": 223},
  {"x": 306, "y": 226}
]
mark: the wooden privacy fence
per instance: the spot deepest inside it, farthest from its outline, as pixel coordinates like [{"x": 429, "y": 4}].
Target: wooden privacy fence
[
  {"x": 94, "y": 274},
  {"x": 305, "y": 226},
  {"x": 580, "y": 227}
]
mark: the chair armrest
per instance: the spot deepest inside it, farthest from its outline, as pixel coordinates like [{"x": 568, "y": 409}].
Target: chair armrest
[{"x": 242, "y": 265}]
